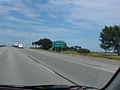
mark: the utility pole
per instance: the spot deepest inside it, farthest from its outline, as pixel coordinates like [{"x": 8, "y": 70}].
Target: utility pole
[{"x": 30, "y": 36}]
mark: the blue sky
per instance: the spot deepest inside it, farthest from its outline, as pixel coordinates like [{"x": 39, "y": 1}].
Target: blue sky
[{"x": 78, "y": 22}]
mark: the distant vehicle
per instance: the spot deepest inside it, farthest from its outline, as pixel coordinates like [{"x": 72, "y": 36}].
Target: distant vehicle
[
  {"x": 20, "y": 45},
  {"x": 15, "y": 44}
]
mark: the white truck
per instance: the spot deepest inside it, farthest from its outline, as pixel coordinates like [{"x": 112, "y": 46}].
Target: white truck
[
  {"x": 16, "y": 44},
  {"x": 20, "y": 45}
]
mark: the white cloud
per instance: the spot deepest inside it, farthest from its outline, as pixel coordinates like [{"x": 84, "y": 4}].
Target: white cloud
[
  {"x": 52, "y": 15},
  {"x": 18, "y": 6},
  {"x": 49, "y": 29},
  {"x": 14, "y": 33},
  {"x": 11, "y": 18},
  {"x": 101, "y": 12},
  {"x": 80, "y": 3},
  {"x": 56, "y": 32},
  {"x": 25, "y": 35},
  {"x": 11, "y": 25}
]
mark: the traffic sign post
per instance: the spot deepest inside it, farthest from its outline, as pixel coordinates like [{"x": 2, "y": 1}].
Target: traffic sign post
[{"x": 60, "y": 44}]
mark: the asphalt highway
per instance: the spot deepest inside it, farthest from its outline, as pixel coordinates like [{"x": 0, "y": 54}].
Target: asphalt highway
[{"x": 36, "y": 67}]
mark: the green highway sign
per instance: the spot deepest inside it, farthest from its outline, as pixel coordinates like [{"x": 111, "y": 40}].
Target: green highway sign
[{"x": 58, "y": 44}]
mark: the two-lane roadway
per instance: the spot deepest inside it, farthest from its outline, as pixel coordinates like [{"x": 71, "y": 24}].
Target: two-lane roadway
[{"x": 36, "y": 67}]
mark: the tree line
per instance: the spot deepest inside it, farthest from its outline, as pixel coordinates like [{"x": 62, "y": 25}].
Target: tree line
[
  {"x": 109, "y": 37},
  {"x": 47, "y": 45},
  {"x": 43, "y": 43}
]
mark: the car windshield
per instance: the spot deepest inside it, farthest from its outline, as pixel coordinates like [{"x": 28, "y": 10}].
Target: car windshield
[{"x": 59, "y": 42}]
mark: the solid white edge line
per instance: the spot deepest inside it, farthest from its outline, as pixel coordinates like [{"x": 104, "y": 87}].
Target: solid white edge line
[
  {"x": 41, "y": 65},
  {"x": 47, "y": 68}
]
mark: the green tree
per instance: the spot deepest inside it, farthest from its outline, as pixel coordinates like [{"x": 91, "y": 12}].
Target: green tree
[
  {"x": 75, "y": 48},
  {"x": 83, "y": 50},
  {"x": 35, "y": 44},
  {"x": 45, "y": 43},
  {"x": 110, "y": 38}
]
